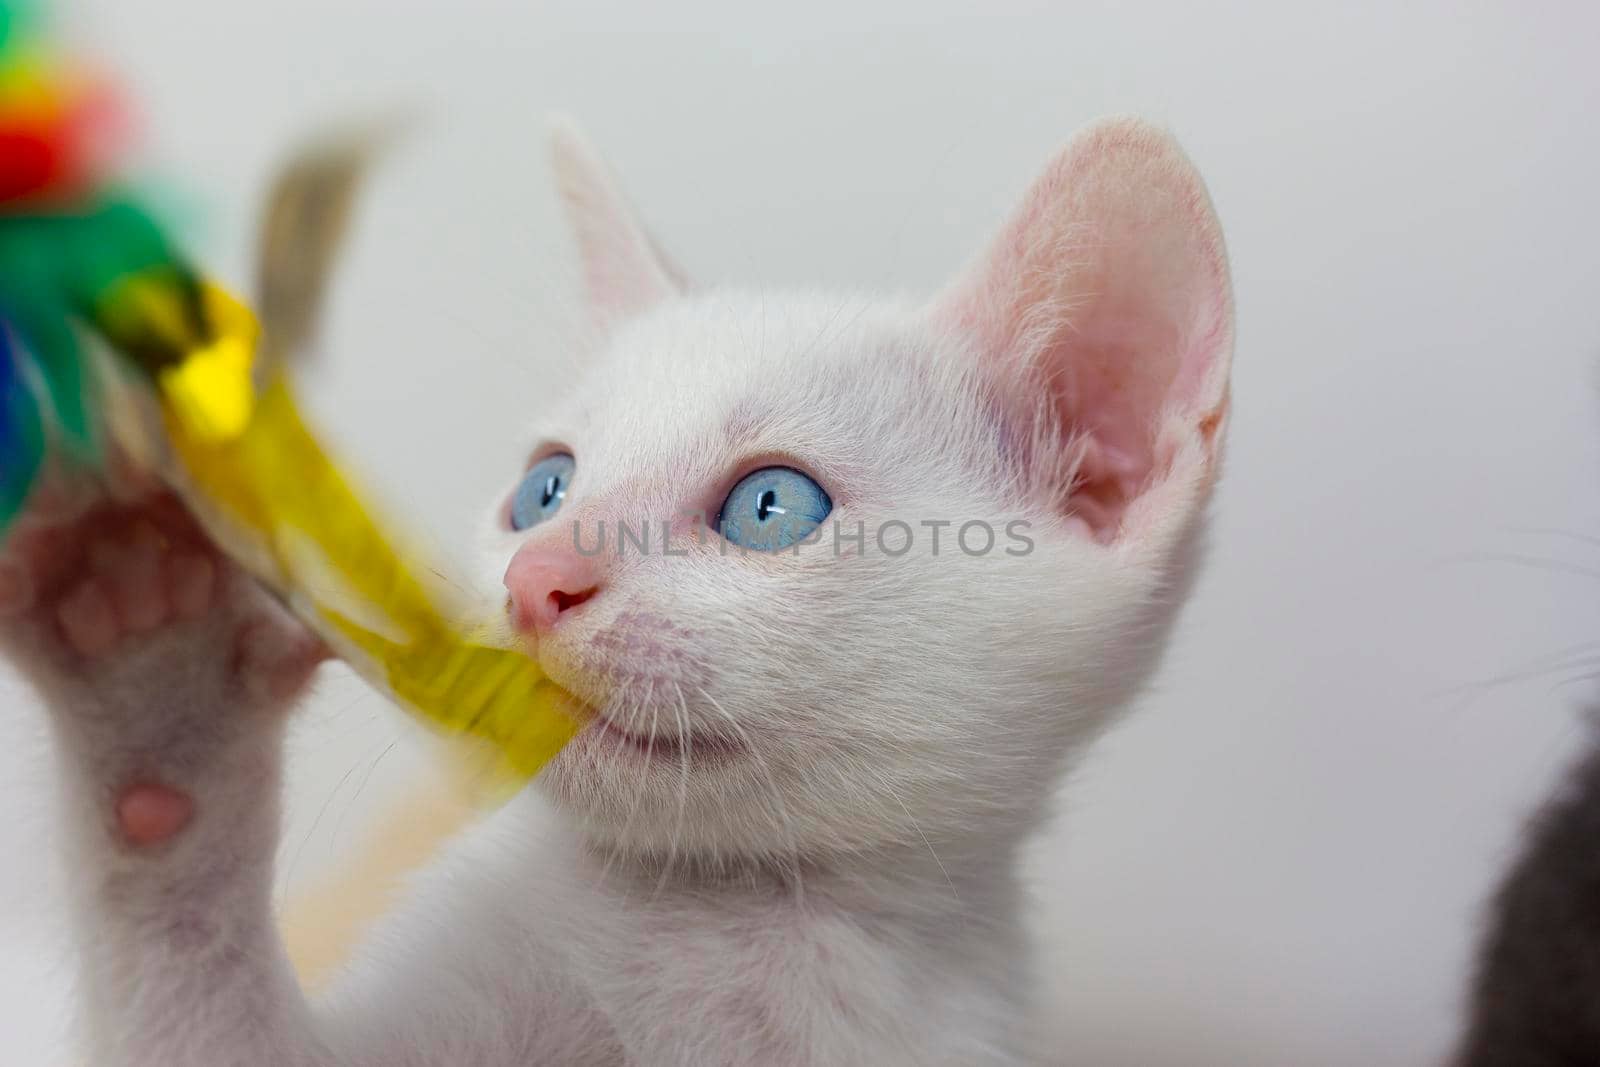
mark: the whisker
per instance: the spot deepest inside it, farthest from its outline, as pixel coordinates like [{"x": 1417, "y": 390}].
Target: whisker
[
  {"x": 1579, "y": 655},
  {"x": 312, "y": 832},
  {"x": 780, "y": 810},
  {"x": 638, "y": 790},
  {"x": 680, "y": 711},
  {"x": 1548, "y": 531},
  {"x": 366, "y": 778},
  {"x": 961, "y": 909},
  {"x": 1555, "y": 566}
]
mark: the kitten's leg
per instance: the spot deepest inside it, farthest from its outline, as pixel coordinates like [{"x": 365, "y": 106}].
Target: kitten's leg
[{"x": 167, "y": 673}]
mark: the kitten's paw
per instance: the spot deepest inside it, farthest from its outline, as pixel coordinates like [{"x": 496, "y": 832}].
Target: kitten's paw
[
  {"x": 91, "y": 583},
  {"x": 165, "y": 667},
  {"x": 138, "y": 581}
]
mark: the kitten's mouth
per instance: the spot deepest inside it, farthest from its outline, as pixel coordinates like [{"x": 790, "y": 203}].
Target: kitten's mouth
[
  {"x": 683, "y": 747},
  {"x": 666, "y": 737}
]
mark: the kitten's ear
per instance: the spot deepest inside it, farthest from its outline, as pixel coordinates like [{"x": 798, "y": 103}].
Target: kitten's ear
[
  {"x": 1105, "y": 306},
  {"x": 624, "y": 272}
]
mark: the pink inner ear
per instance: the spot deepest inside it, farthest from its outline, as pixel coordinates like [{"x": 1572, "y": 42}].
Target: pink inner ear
[
  {"x": 1106, "y": 299},
  {"x": 624, "y": 271}
]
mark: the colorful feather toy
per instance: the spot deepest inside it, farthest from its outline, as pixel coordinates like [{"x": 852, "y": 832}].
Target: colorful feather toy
[{"x": 198, "y": 392}]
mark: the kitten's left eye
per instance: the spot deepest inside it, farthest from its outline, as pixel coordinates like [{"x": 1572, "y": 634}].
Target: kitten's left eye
[
  {"x": 773, "y": 508},
  {"x": 542, "y": 490}
]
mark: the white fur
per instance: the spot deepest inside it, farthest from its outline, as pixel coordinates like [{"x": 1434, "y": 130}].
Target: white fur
[{"x": 845, "y": 890}]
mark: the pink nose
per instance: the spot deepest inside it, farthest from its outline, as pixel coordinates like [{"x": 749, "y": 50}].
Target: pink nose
[{"x": 545, "y": 583}]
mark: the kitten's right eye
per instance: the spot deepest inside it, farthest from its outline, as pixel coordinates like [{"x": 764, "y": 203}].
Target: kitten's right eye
[{"x": 542, "y": 490}]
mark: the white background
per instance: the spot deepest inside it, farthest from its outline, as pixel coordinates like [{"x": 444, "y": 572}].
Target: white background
[{"x": 1281, "y": 859}]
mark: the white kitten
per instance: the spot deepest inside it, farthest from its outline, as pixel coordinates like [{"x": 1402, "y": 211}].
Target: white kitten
[{"x": 790, "y": 835}]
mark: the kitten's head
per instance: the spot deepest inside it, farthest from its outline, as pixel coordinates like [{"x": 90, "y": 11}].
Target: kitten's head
[{"x": 1008, "y": 481}]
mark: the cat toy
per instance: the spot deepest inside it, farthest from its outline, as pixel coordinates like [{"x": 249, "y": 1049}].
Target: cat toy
[{"x": 111, "y": 341}]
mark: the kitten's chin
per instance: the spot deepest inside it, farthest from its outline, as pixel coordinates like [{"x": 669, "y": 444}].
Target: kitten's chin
[{"x": 634, "y": 791}]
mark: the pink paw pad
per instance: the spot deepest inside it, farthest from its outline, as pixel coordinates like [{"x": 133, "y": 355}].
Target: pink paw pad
[
  {"x": 150, "y": 814},
  {"x": 189, "y": 581},
  {"x": 88, "y": 619},
  {"x": 276, "y": 660},
  {"x": 138, "y": 583}
]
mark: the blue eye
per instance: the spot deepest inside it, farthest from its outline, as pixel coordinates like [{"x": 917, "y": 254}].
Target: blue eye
[
  {"x": 542, "y": 490},
  {"x": 772, "y": 509}
]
